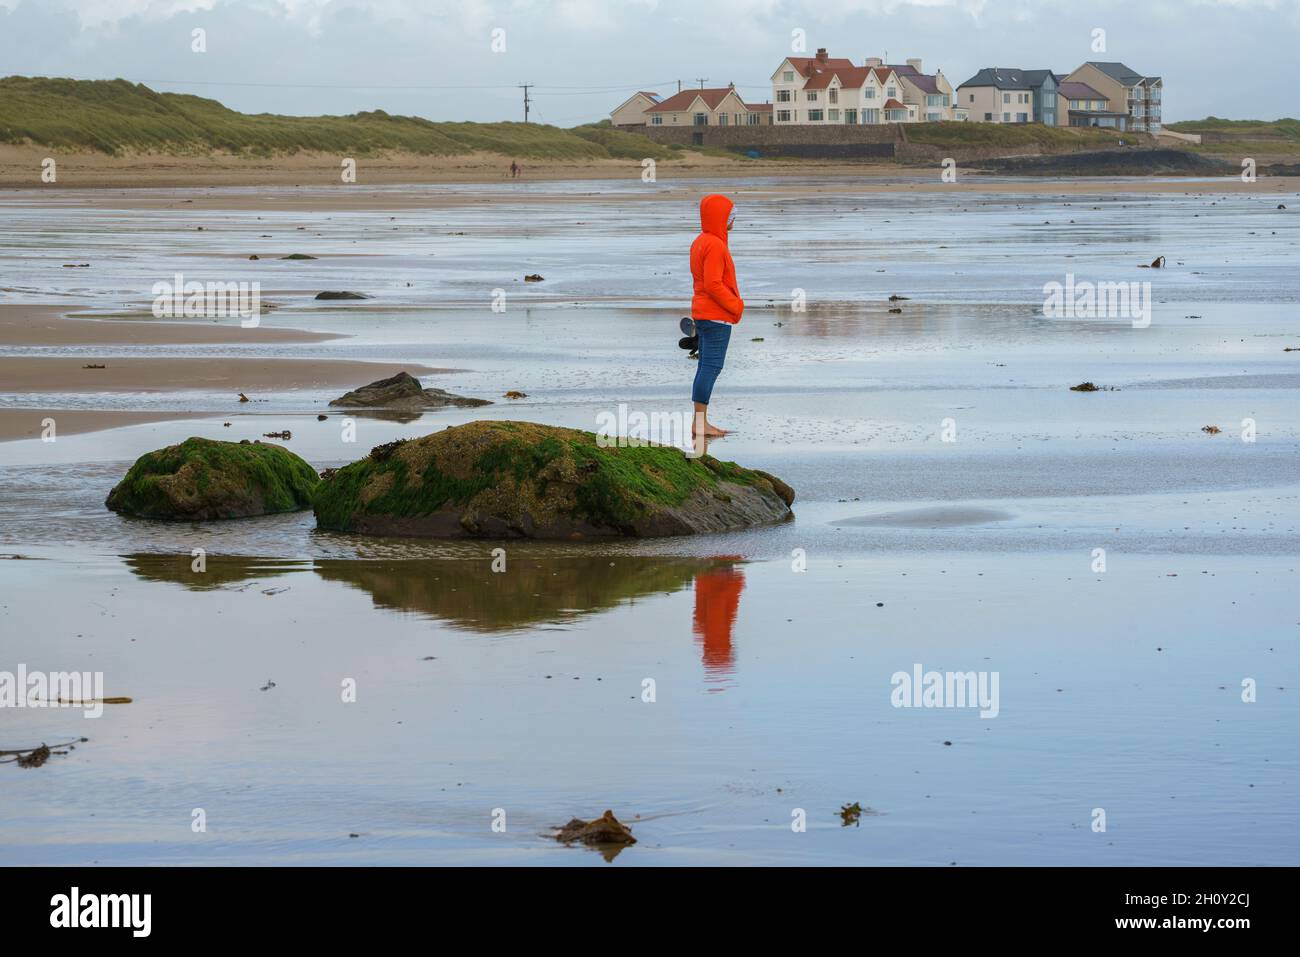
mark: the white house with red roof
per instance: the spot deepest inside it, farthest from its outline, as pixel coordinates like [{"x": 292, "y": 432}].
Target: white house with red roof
[
  {"x": 717, "y": 106},
  {"x": 631, "y": 112},
  {"x": 823, "y": 89}
]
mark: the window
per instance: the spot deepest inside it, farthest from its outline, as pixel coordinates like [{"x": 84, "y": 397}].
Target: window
[
  {"x": 701, "y": 119},
  {"x": 1022, "y": 117},
  {"x": 789, "y": 76},
  {"x": 722, "y": 119},
  {"x": 1074, "y": 104},
  {"x": 657, "y": 120},
  {"x": 754, "y": 119},
  {"x": 988, "y": 117},
  {"x": 871, "y": 93},
  {"x": 783, "y": 116},
  {"x": 1006, "y": 97},
  {"x": 851, "y": 117},
  {"x": 834, "y": 95},
  {"x": 870, "y": 116},
  {"x": 833, "y": 116},
  {"x": 892, "y": 92},
  {"x": 740, "y": 118},
  {"x": 783, "y": 96},
  {"x": 814, "y": 116},
  {"x": 1006, "y": 117},
  {"x": 812, "y": 96},
  {"x": 934, "y": 117},
  {"x": 1023, "y": 98},
  {"x": 972, "y": 98}
]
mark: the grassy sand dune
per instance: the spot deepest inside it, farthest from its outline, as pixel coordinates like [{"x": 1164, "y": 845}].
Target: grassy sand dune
[{"x": 114, "y": 117}]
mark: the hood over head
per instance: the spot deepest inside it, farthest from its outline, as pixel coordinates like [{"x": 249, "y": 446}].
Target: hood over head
[{"x": 714, "y": 211}]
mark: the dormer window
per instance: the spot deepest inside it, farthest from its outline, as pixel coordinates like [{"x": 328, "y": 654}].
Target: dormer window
[{"x": 789, "y": 76}]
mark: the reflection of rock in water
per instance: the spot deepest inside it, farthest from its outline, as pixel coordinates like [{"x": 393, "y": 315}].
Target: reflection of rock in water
[
  {"x": 401, "y": 416},
  {"x": 464, "y": 592},
  {"x": 469, "y": 595},
  {"x": 219, "y": 570}
]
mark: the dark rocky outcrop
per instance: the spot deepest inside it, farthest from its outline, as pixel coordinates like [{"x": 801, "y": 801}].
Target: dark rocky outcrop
[
  {"x": 341, "y": 294},
  {"x": 403, "y": 391},
  {"x": 606, "y": 829},
  {"x": 1120, "y": 162},
  {"x": 521, "y": 479},
  {"x": 203, "y": 479}
]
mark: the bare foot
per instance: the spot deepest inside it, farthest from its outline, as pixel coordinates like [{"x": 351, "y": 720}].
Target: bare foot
[{"x": 713, "y": 431}]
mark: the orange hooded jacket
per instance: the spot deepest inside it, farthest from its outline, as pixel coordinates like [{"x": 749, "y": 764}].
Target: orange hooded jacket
[{"x": 716, "y": 295}]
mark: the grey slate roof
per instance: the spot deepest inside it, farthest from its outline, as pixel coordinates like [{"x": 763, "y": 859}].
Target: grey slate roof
[
  {"x": 1120, "y": 73},
  {"x": 1005, "y": 78}
]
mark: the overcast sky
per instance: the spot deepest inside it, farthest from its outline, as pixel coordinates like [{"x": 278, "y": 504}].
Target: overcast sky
[{"x": 1233, "y": 58}]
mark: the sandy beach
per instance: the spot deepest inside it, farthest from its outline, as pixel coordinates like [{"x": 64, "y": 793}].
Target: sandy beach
[
  {"x": 125, "y": 375},
  {"x": 278, "y": 177},
  {"x": 953, "y": 494}
]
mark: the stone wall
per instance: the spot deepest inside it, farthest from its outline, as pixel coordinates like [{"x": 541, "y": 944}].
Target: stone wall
[{"x": 803, "y": 141}]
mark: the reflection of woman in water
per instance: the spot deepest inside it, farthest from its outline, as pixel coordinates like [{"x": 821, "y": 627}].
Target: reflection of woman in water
[{"x": 717, "y": 599}]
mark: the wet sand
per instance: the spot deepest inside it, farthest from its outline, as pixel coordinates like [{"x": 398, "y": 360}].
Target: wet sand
[
  {"x": 32, "y": 423},
  {"x": 175, "y": 373},
  {"x": 125, "y": 377},
  {"x": 23, "y": 325},
  {"x": 771, "y": 651},
  {"x": 524, "y": 692}
]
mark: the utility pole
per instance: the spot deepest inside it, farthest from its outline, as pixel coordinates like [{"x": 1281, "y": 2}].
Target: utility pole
[
  {"x": 702, "y": 80},
  {"x": 679, "y": 86},
  {"x": 526, "y": 87}
]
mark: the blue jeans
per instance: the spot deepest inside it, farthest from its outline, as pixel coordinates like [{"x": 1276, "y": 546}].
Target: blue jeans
[{"x": 714, "y": 337}]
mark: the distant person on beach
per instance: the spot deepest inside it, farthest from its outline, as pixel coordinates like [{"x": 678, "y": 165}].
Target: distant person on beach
[
  {"x": 514, "y": 170},
  {"x": 716, "y": 305}
]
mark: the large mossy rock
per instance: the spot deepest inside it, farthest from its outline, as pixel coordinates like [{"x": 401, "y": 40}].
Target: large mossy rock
[
  {"x": 202, "y": 479},
  {"x": 519, "y": 479}
]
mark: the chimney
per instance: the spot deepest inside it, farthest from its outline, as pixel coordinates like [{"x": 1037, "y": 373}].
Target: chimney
[
  {"x": 822, "y": 55},
  {"x": 915, "y": 64},
  {"x": 872, "y": 61}
]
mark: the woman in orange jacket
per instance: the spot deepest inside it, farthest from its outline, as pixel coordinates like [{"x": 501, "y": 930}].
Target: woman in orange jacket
[{"x": 716, "y": 305}]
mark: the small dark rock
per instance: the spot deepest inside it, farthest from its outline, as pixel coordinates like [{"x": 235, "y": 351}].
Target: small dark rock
[{"x": 606, "y": 829}]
